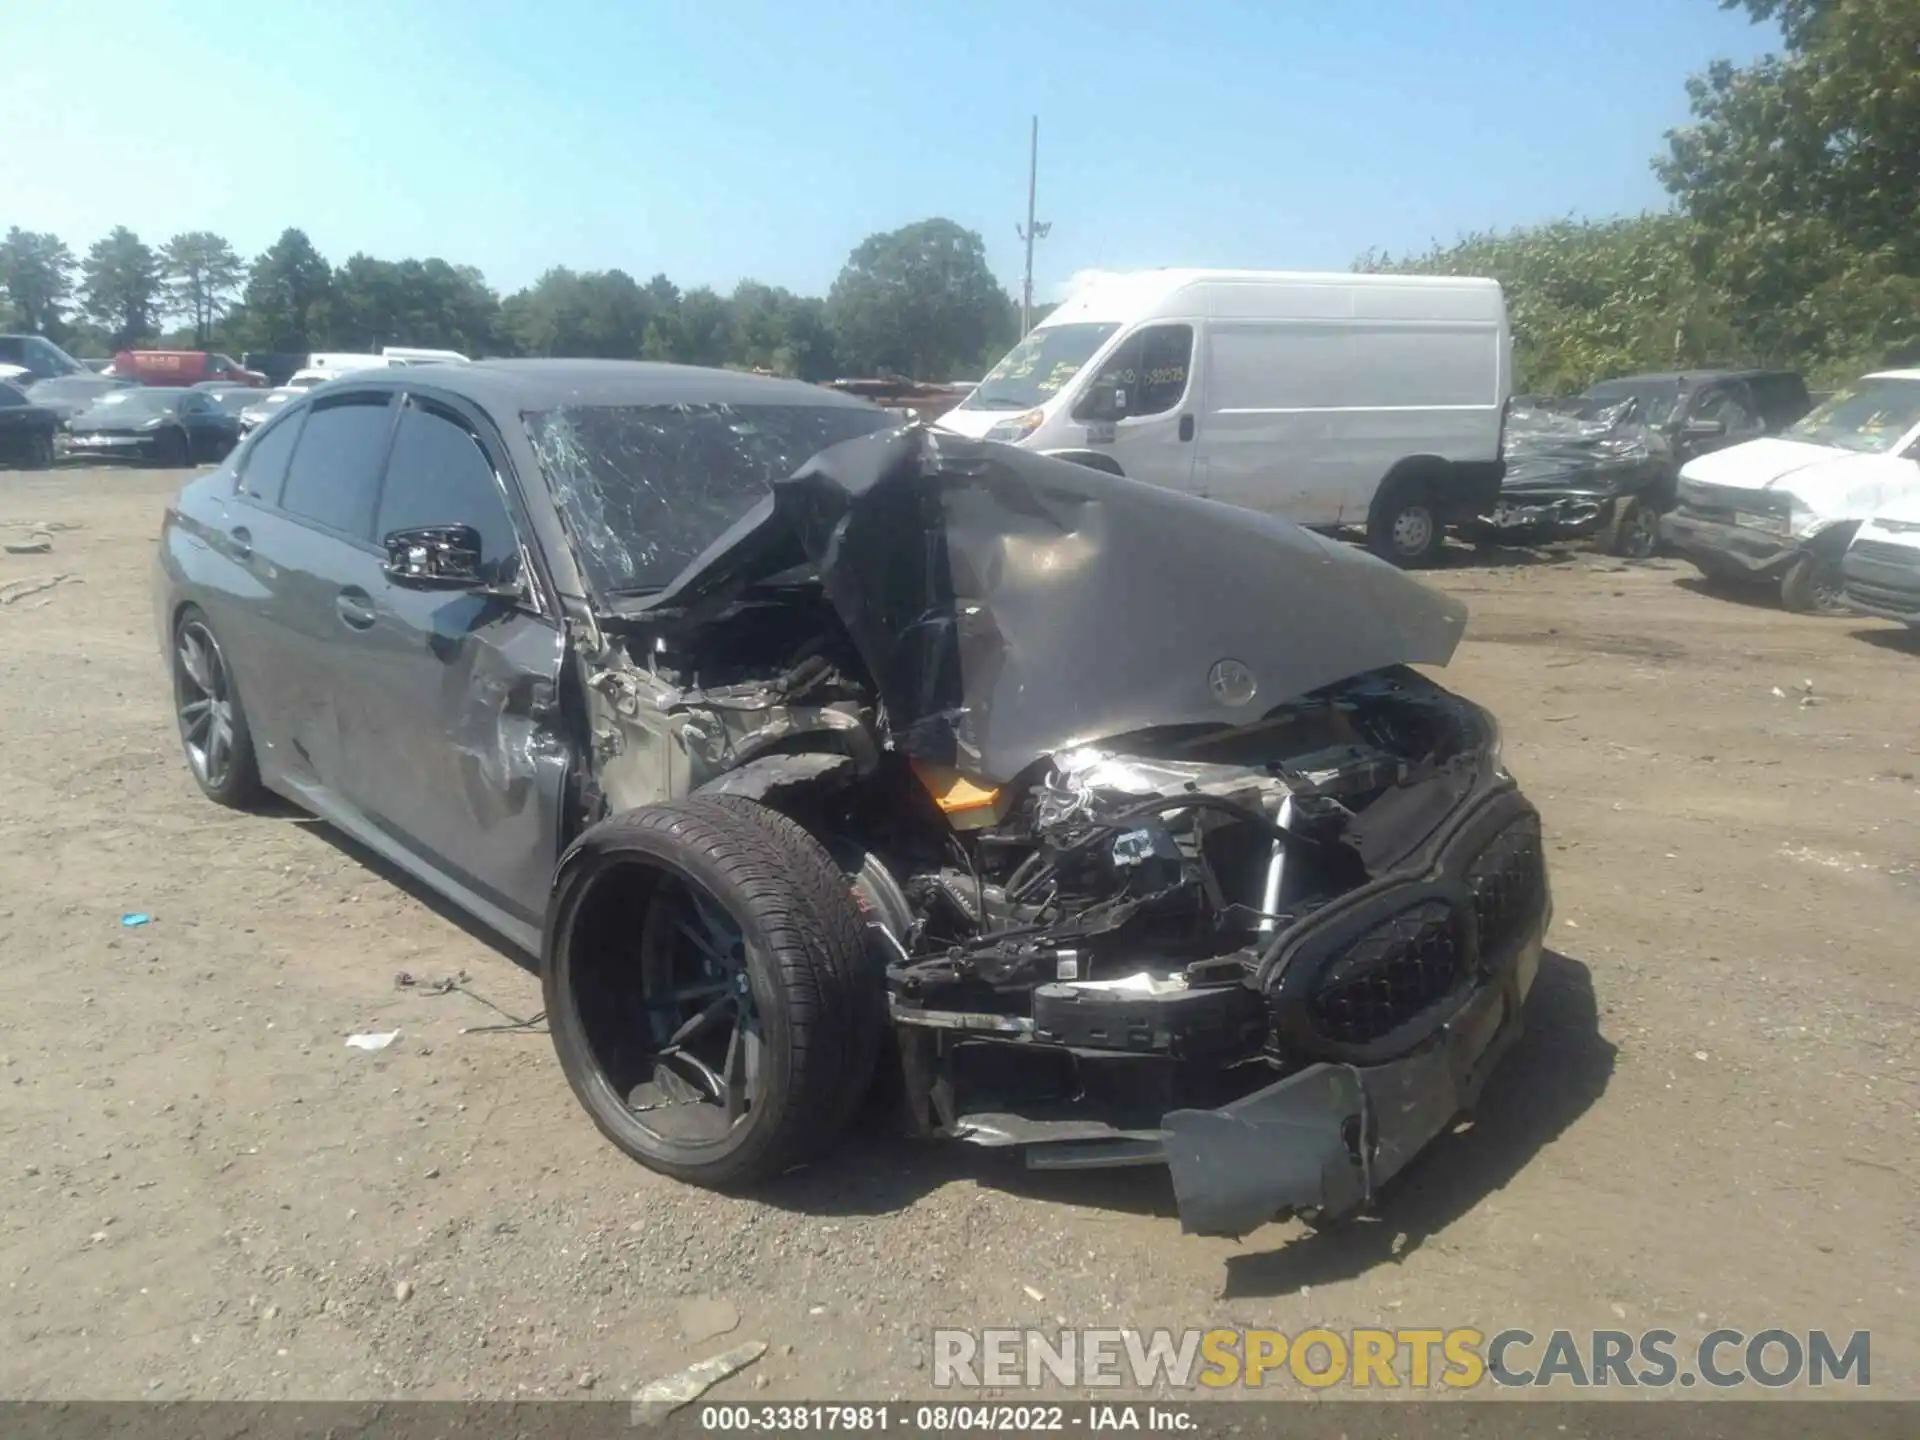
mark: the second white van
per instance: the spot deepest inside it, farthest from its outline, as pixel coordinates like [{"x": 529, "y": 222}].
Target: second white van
[{"x": 1330, "y": 399}]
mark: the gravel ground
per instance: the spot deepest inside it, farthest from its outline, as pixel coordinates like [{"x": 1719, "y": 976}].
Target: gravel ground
[{"x": 205, "y": 1193}]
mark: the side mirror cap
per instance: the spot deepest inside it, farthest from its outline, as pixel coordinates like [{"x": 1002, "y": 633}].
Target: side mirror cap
[{"x": 434, "y": 557}]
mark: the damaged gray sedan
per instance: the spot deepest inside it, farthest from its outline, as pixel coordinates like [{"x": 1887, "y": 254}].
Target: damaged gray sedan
[{"x": 1108, "y": 822}]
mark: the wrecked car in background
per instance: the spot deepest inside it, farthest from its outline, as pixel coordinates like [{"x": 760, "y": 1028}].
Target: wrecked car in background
[
  {"x": 1783, "y": 510},
  {"x": 1577, "y": 472},
  {"x": 1113, "y": 818},
  {"x": 1881, "y": 569},
  {"x": 1605, "y": 464}
]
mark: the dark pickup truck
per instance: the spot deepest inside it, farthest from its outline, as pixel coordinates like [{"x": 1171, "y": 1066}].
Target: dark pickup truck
[{"x": 1606, "y": 463}]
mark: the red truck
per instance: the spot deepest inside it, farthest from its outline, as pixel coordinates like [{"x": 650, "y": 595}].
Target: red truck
[{"x": 183, "y": 367}]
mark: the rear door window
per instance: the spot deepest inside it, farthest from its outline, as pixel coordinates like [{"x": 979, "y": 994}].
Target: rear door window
[
  {"x": 264, "y": 465},
  {"x": 334, "y": 478}
]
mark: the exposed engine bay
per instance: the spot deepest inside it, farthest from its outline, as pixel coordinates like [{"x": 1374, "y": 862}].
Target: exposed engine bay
[{"x": 1098, "y": 937}]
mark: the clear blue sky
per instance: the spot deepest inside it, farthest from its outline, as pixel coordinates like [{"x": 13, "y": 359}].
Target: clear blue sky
[{"x": 720, "y": 139}]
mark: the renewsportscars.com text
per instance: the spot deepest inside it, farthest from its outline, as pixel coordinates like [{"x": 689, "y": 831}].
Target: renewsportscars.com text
[{"x": 1402, "y": 1358}]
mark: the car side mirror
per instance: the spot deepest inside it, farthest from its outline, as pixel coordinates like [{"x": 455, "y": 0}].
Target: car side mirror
[
  {"x": 1704, "y": 429},
  {"x": 434, "y": 557},
  {"x": 1102, "y": 402}
]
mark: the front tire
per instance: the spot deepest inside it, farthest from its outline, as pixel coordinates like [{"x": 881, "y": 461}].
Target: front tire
[
  {"x": 1404, "y": 527},
  {"x": 1633, "y": 532},
  {"x": 1813, "y": 586},
  {"x": 40, "y": 452},
  {"x": 706, "y": 990},
  {"x": 172, "y": 449}
]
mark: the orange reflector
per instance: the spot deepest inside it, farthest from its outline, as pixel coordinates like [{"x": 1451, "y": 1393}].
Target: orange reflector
[{"x": 952, "y": 791}]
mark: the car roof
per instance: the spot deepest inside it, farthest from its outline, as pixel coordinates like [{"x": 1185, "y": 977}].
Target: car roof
[
  {"x": 511, "y": 386},
  {"x": 1695, "y": 377}
]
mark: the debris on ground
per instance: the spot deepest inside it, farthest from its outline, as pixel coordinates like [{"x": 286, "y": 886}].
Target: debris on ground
[
  {"x": 39, "y": 543},
  {"x": 372, "y": 1040},
  {"x": 17, "y": 590},
  {"x": 457, "y": 985},
  {"x": 705, "y": 1316},
  {"x": 134, "y": 919},
  {"x": 657, "y": 1399}
]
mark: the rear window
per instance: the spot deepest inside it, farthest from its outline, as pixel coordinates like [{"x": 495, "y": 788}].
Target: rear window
[
  {"x": 646, "y": 488},
  {"x": 1653, "y": 400},
  {"x": 335, "y": 475}
]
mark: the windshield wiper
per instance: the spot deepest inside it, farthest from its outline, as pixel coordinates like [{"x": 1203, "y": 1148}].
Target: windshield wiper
[{"x": 996, "y": 402}]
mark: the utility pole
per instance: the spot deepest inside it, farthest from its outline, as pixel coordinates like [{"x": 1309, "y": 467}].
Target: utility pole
[{"x": 1033, "y": 230}]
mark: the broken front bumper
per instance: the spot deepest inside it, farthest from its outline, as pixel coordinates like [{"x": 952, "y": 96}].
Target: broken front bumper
[
  {"x": 1565, "y": 514},
  {"x": 1883, "y": 580},
  {"x": 1760, "y": 548},
  {"x": 1328, "y": 1137}
]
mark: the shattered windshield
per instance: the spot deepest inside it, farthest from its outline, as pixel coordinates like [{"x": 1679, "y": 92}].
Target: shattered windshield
[
  {"x": 1869, "y": 417},
  {"x": 646, "y": 488},
  {"x": 1036, "y": 368},
  {"x": 1653, "y": 400}
]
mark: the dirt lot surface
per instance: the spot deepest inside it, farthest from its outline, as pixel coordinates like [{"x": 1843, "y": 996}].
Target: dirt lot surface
[{"x": 205, "y": 1192}]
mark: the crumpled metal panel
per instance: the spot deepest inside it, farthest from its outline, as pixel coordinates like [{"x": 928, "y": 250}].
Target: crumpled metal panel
[
  {"x": 1010, "y": 605},
  {"x": 1603, "y": 452}
]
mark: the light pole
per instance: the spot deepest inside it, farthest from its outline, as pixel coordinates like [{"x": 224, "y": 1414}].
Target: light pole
[{"x": 1032, "y": 231}]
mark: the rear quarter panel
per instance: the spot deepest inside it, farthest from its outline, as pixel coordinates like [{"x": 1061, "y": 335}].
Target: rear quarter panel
[{"x": 197, "y": 566}]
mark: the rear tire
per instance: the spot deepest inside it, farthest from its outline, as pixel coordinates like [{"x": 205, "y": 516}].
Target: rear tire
[
  {"x": 1404, "y": 526},
  {"x": 663, "y": 915},
  {"x": 214, "y": 734},
  {"x": 1813, "y": 586}
]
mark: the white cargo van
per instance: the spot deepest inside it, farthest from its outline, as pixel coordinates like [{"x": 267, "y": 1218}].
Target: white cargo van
[
  {"x": 417, "y": 355},
  {"x": 1332, "y": 400}
]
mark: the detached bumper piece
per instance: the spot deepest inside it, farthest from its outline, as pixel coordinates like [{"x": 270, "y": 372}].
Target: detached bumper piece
[
  {"x": 1327, "y": 1138},
  {"x": 1883, "y": 580}
]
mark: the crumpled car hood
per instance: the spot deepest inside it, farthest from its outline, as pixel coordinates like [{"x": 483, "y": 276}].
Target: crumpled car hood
[
  {"x": 1010, "y": 605},
  {"x": 1606, "y": 454}
]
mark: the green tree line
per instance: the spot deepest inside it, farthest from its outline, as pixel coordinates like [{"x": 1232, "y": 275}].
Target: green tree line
[
  {"x": 917, "y": 301},
  {"x": 1794, "y": 238}
]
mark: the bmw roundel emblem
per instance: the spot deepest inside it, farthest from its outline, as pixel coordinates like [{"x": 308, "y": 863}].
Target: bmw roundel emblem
[{"x": 1231, "y": 682}]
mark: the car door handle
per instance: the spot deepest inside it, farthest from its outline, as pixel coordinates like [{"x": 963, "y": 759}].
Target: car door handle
[
  {"x": 242, "y": 539},
  {"x": 1186, "y": 427},
  {"x": 355, "y": 607}
]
